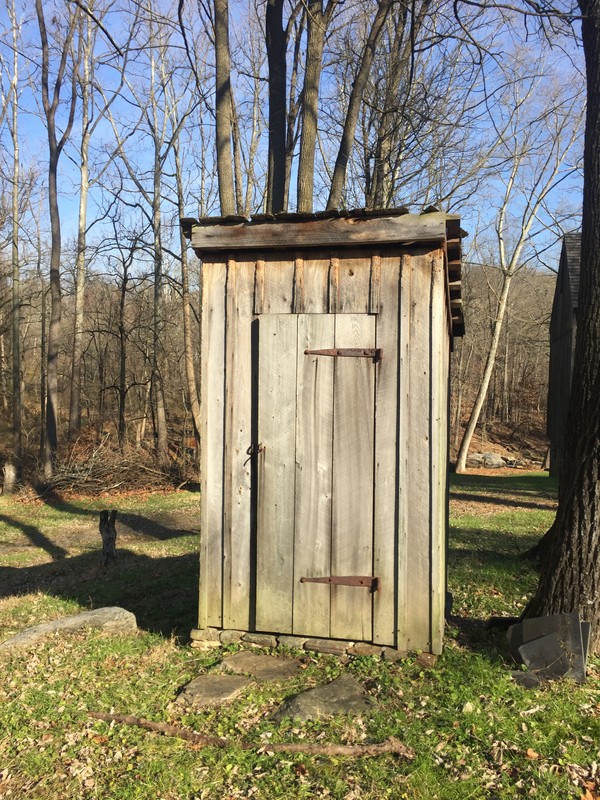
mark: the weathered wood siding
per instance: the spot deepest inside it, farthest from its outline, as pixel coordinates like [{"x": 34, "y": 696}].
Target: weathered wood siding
[{"x": 349, "y": 446}]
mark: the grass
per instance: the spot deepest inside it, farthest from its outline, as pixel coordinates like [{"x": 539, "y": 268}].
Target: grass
[{"x": 475, "y": 732}]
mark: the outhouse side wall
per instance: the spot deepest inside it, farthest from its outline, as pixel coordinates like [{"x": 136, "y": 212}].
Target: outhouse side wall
[{"x": 407, "y": 290}]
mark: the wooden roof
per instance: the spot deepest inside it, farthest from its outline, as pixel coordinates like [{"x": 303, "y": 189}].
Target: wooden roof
[{"x": 337, "y": 229}]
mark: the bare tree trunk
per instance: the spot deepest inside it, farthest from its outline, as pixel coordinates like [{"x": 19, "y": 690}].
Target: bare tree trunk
[
  {"x": 158, "y": 391},
  {"x": 190, "y": 371},
  {"x": 317, "y": 24},
  {"x": 78, "y": 323},
  {"x": 277, "y": 58},
  {"x": 461, "y": 458},
  {"x": 223, "y": 106},
  {"x": 43, "y": 345},
  {"x": 50, "y": 102},
  {"x": 358, "y": 87},
  {"x": 16, "y": 286}
]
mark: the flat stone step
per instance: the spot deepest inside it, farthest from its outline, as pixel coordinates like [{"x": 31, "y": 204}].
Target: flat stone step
[
  {"x": 262, "y": 667},
  {"x": 212, "y": 690}
]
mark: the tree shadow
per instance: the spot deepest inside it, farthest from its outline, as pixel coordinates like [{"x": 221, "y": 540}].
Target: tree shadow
[
  {"x": 136, "y": 523},
  {"x": 36, "y": 537},
  {"x": 512, "y": 502},
  {"x": 161, "y": 592}
]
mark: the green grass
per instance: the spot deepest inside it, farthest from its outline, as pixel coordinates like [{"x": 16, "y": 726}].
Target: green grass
[{"x": 475, "y": 732}]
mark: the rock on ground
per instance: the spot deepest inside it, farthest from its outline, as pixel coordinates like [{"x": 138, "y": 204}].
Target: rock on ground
[
  {"x": 211, "y": 690},
  {"x": 345, "y": 695},
  {"x": 261, "y": 667},
  {"x": 111, "y": 619}
]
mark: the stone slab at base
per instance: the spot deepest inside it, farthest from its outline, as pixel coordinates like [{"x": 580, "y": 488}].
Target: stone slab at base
[{"x": 213, "y": 637}]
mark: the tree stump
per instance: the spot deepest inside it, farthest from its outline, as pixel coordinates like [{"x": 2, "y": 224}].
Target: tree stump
[
  {"x": 10, "y": 478},
  {"x": 108, "y": 532}
]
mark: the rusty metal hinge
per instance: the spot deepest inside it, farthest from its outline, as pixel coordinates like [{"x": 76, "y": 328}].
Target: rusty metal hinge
[
  {"x": 346, "y": 580},
  {"x": 376, "y": 353}
]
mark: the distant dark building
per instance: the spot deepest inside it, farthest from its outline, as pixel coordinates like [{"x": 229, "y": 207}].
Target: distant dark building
[{"x": 563, "y": 330}]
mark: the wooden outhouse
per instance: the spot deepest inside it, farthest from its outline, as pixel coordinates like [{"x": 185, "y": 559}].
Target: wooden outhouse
[
  {"x": 563, "y": 332},
  {"x": 324, "y": 391}
]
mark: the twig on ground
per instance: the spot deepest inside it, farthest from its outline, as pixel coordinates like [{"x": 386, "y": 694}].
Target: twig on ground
[{"x": 390, "y": 745}]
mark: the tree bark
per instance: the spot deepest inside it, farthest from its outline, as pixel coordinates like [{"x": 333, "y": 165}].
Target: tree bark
[
  {"x": 317, "y": 24},
  {"x": 50, "y": 102},
  {"x": 223, "y": 105},
  {"x": 276, "y": 58},
  {"x": 571, "y": 572},
  {"x": 188, "y": 348},
  {"x": 338, "y": 180},
  {"x": 16, "y": 285},
  {"x": 78, "y": 323}
]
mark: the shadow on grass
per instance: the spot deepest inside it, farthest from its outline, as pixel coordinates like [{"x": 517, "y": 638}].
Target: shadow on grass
[
  {"x": 508, "y": 502},
  {"x": 519, "y": 488},
  {"x": 161, "y": 592},
  {"x": 36, "y": 537},
  {"x": 486, "y": 570}
]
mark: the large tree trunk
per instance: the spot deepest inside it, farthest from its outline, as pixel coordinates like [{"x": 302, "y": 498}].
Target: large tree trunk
[{"x": 571, "y": 571}]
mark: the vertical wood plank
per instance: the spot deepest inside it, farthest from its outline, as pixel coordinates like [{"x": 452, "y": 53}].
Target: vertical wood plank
[
  {"x": 278, "y": 280},
  {"x": 418, "y": 583},
  {"x": 212, "y": 404},
  {"x": 375, "y": 287},
  {"x": 334, "y": 281},
  {"x": 352, "y": 508},
  {"x": 316, "y": 282},
  {"x": 278, "y": 336},
  {"x": 385, "y": 518},
  {"x": 439, "y": 440},
  {"x": 404, "y": 469},
  {"x": 236, "y": 472},
  {"x": 353, "y": 283},
  {"x": 298, "y": 285},
  {"x": 314, "y": 426},
  {"x": 259, "y": 286}
]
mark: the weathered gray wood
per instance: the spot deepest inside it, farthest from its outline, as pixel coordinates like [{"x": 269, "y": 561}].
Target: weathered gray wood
[
  {"x": 298, "y": 291},
  {"x": 352, "y": 504},
  {"x": 403, "y": 457},
  {"x": 315, "y": 298},
  {"x": 314, "y": 426},
  {"x": 278, "y": 336},
  {"x": 386, "y": 443},
  {"x": 375, "y": 287},
  {"x": 277, "y": 281},
  {"x": 344, "y": 231},
  {"x": 350, "y": 280},
  {"x": 236, "y": 472},
  {"x": 418, "y": 546},
  {"x": 214, "y": 278},
  {"x": 439, "y": 439}
]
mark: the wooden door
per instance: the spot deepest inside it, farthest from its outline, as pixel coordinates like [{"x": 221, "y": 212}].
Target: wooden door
[{"x": 315, "y": 426}]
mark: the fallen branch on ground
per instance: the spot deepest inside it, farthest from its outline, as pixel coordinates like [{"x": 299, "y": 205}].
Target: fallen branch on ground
[{"x": 390, "y": 745}]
